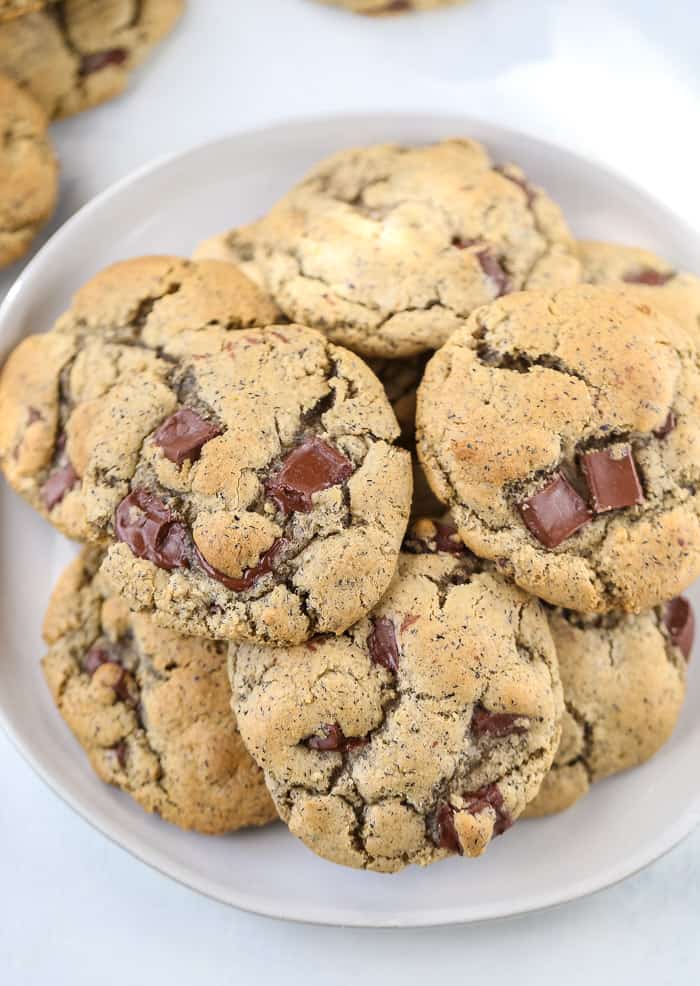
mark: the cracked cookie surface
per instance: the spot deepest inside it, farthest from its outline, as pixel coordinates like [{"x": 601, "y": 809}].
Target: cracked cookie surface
[
  {"x": 562, "y": 430},
  {"x": 623, "y": 677},
  {"x": 116, "y": 326},
  {"x": 388, "y": 249},
  {"x": 28, "y": 171},
  {"x": 421, "y": 731},
  {"x": 150, "y": 708},
  {"x": 74, "y": 54},
  {"x": 646, "y": 277}
]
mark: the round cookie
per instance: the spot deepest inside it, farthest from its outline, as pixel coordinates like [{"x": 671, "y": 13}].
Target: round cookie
[
  {"x": 28, "y": 171},
  {"x": 78, "y": 53},
  {"x": 381, "y": 7},
  {"x": 150, "y": 708},
  {"x": 388, "y": 249},
  {"x": 562, "y": 429},
  {"x": 646, "y": 277},
  {"x": 421, "y": 731},
  {"x": 117, "y": 324},
  {"x": 624, "y": 683}
]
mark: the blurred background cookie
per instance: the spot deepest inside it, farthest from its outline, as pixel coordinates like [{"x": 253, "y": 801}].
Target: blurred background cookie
[{"x": 15, "y": 8}]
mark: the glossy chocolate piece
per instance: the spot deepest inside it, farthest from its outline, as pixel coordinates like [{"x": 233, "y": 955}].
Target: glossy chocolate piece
[
  {"x": 266, "y": 564},
  {"x": 647, "y": 275},
  {"x": 312, "y": 466},
  {"x": 496, "y": 724},
  {"x": 329, "y": 738},
  {"x": 489, "y": 262},
  {"x": 554, "y": 513},
  {"x": 60, "y": 482},
  {"x": 613, "y": 482},
  {"x": 95, "y": 658},
  {"x": 182, "y": 435},
  {"x": 447, "y": 837},
  {"x": 489, "y": 797},
  {"x": 98, "y": 60},
  {"x": 382, "y": 644},
  {"x": 680, "y": 623},
  {"x": 146, "y": 524}
]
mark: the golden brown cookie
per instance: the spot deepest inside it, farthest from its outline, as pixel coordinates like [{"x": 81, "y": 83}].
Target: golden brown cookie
[
  {"x": 388, "y": 249},
  {"x": 624, "y": 684},
  {"x": 647, "y": 277},
  {"x": 28, "y": 171},
  {"x": 74, "y": 54},
  {"x": 423, "y": 730},
  {"x": 563, "y": 430},
  {"x": 150, "y": 708}
]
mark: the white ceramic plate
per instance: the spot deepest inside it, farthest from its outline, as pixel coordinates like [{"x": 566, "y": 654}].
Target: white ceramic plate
[{"x": 625, "y": 822}]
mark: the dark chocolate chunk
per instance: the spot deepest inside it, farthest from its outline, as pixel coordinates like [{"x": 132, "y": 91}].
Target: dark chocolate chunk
[
  {"x": 312, "y": 466},
  {"x": 382, "y": 644},
  {"x": 496, "y": 724},
  {"x": 489, "y": 797},
  {"x": 555, "y": 513},
  {"x": 119, "y": 752},
  {"x": 265, "y": 565},
  {"x": 447, "y": 539},
  {"x": 58, "y": 484},
  {"x": 329, "y": 738},
  {"x": 146, "y": 524},
  {"x": 680, "y": 623},
  {"x": 649, "y": 276},
  {"x": 667, "y": 427},
  {"x": 613, "y": 482},
  {"x": 447, "y": 837},
  {"x": 489, "y": 262},
  {"x": 126, "y": 689},
  {"x": 95, "y": 658},
  {"x": 520, "y": 182},
  {"x": 182, "y": 435},
  {"x": 97, "y": 60}
]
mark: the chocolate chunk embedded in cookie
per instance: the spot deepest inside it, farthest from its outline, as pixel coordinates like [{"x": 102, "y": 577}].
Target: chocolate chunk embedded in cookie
[
  {"x": 150, "y": 708},
  {"x": 421, "y": 731},
  {"x": 562, "y": 430},
  {"x": 624, "y": 683}
]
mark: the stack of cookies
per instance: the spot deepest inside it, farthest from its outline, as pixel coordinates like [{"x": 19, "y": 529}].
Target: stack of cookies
[{"x": 267, "y": 617}]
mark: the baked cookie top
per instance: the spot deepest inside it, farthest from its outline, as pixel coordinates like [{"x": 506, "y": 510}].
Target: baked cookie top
[
  {"x": 647, "y": 277},
  {"x": 562, "y": 429},
  {"x": 77, "y": 53},
  {"x": 421, "y": 731},
  {"x": 624, "y": 682},
  {"x": 388, "y": 249},
  {"x": 117, "y": 324},
  {"x": 28, "y": 171},
  {"x": 150, "y": 708}
]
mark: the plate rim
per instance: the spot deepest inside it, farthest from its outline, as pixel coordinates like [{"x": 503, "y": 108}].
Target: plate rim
[{"x": 97, "y": 819}]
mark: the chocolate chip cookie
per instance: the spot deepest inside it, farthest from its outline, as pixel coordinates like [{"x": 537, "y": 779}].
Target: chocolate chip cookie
[
  {"x": 647, "y": 277},
  {"x": 150, "y": 708},
  {"x": 28, "y": 171},
  {"x": 74, "y": 54},
  {"x": 421, "y": 731},
  {"x": 117, "y": 325},
  {"x": 382, "y": 7},
  {"x": 624, "y": 683},
  {"x": 563, "y": 430},
  {"x": 388, "y": 249}
]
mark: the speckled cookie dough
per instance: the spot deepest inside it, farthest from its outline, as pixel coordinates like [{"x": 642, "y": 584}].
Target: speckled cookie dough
[
  {"x": 150, "y": 708},
  {"x": 423, "y": 730},
  {"x": 563, "y": 431},
  {"x": 646, "y": 277},
  {"x": 118, "y": 324},
  {"x": 624, "y": 683},
  {"x": 74, "y": 54},
  {"x": 388, "y": 7},
  {"x": 388, "y": 249},
  {"x": 28, "y": 171}
]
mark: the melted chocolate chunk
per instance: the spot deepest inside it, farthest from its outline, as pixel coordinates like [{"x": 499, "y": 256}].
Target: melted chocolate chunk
[
  {"x": 382, "y": 644},
  {"x": 496, "y": 724},
  {"x": 182, "y": 435},
  {"x": 101, "y": 59},
  {"x": 489, "y": 262},
  {"x": 330, "y": 737},
  {"x": 58, "y": 484},
  {"x": 447, "y": 539},
  {"x": 649, "y": 276},
  {"x": 146, "y": 524},
  {"x": 555, "y": 513},
  {"x": 126, "y": 690},
  {"x": 613, "y": 483},
  {"x": 680, "y": 623},
  {"x": 265, "y": 565},
  {"x": 120, "y": 753},
  {"x": 667, "y": 427},
  {"x": 520, "y": 182},
  {"x": 312, "y": 466},
  {"x": 447, "y": 837},
  {"x": 95, "y": 658},
  {"x": 489, "y": 797}
]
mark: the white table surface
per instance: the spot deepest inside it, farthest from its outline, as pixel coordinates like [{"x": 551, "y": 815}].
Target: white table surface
[{"x": 619, "y": 81}]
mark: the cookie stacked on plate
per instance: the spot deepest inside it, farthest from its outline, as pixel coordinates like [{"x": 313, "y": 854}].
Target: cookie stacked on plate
[{"x": 232, "y": 438}]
